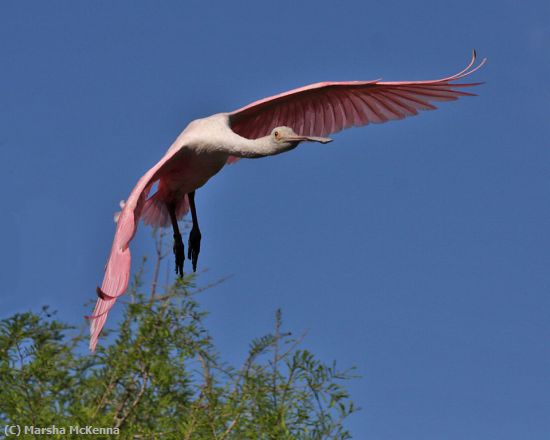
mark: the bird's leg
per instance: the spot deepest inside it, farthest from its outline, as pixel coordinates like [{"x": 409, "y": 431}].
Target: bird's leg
[
  {"x": 194, "y": 244},
  {"x": 179, "y": 250}
]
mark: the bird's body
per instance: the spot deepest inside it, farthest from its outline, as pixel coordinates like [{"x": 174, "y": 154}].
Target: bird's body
[
  {"x": 194, "y": 159},
  {"x": 264, "y": 128}
]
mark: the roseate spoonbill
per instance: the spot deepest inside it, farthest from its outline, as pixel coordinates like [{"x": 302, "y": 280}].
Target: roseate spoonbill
[{"x": 266, "y": 127}]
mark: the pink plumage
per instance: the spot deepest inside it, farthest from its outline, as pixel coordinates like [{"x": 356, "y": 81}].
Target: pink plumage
[
  {"x": 266, "y": 127},
  {"x": 156, "y": 214},
  {"x": 117, "y": 270}
]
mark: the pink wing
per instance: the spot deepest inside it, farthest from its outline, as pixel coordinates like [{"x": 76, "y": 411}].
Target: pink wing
[
  {"x": 117, "y": 270},
  {"x": 327, "y": 107}
]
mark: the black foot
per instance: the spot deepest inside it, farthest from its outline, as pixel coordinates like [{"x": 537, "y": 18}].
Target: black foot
[
  {"x": 179, "y": 252},
  {"x": 194, "y": 246}
]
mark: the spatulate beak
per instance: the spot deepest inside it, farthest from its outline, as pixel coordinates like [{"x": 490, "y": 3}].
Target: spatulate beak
[{"x": 297, "y": 138}]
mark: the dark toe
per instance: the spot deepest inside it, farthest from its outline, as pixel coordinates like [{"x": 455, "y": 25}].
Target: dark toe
[
  {"x": 179, "y": 253},
  {"x": 194, "y": 245}
]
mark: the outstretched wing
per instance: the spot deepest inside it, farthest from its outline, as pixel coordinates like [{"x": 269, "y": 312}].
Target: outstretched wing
[
  {"x": 117, "y": 270},
  {"x": 324, "y": 108}
]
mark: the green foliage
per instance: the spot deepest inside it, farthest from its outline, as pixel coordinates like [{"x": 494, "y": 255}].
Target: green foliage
[{"x": 158, "y": 376}]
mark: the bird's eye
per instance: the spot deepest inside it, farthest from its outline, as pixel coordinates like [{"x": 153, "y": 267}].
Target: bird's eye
[{"x": 276, "y": 134}]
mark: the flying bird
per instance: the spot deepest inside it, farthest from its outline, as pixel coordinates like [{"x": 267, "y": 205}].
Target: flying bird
[{"x": 266, "y": 127}]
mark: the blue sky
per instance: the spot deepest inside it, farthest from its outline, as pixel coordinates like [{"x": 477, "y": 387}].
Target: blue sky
[{"x": 415, "y": 250}]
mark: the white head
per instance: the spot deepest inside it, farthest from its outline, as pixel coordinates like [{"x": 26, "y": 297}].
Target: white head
[{"x": 287, "y": 138}]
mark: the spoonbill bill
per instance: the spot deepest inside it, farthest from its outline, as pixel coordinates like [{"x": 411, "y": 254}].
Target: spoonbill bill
[{"x": 266, "y": 127}]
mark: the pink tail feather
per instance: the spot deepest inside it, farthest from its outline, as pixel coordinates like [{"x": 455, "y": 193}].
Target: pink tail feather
[{"x": 156, "y": 214}]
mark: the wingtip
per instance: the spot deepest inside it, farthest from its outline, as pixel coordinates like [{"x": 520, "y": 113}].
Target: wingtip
[
  {"x": 479, "y": 66},
  {"x": 469, "y": 69}
]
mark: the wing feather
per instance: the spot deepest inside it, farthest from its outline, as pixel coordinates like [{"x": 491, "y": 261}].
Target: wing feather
[
  {"x": 371, "y": 111},
  {"x": 421, "y": 104},
  {"x": 319, "y": 118},
  {"x": 339, "y": 111},
  {"x": 309, "y": 111},
  {"x": 329, "y": 117},
  {"x": 401, "y": 103},
  {"x": 358, "y": 105},
  {"x": 358, "y": 117},
  {"x": 387, "y": 110}
]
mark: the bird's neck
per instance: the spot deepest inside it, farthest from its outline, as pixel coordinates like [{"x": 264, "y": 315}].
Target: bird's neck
[{"x": 261, "y": 147}]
